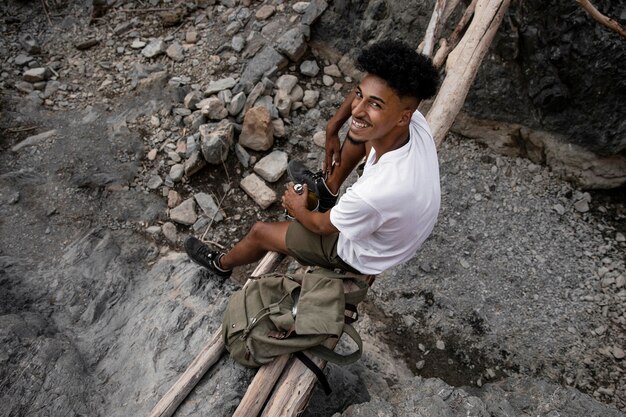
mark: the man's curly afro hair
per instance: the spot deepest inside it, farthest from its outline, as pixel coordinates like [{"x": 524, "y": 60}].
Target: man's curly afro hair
[{"x": 407, "y": 72}]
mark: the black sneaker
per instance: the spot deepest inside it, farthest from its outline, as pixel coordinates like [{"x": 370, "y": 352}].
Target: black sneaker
[
  {"x": 200, "y": 254},
  {"x": 300, "y": 174}
]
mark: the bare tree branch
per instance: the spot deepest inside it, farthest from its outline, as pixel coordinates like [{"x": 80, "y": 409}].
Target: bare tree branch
[{"x": 599, "y": 17}]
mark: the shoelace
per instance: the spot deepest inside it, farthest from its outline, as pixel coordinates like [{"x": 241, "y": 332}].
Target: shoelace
[{"x": 205, "y": 252}]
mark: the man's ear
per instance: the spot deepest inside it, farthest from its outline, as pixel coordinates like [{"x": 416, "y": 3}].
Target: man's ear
[{"x": 405, "y": 117}]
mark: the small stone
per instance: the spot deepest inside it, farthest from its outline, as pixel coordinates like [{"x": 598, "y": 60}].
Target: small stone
[
  {"x": 272, "y": 166},
  {"x": 440, "y": 345},
  {"x": 257, "y": 132},
  {"x": 154, "y": 230},
  {"x": 279, "y": 128},
  {"x": 137, "y": 44},
  {"x": 237, "y": 103},
  {"x": 191, "y": 36},
  {"x": 620, "y": 281},
  {"x": 173, "y": 199},
  {"x": 420, "y": 365},
  {"x": 216, "y": 140},
  {"x": 265, "y": 12},
  {"x": 300, "y": 6},
  {"x": 310, "y": 98},
  {"x": 619, "y": 237},
  {"x": 258, "y": 191},
  {"x": 333, "y": 70},
  {"x": 286, "y": 83},
  {"x": 176, "y": 172},
  {"x": 29, "y": 43},
  {"x": 421, "y": 347},
  {"x": 213, "y": 108},
  {"x": 170, "y": 232},
  {"x": 319, "y": 139},
  {"x": 328, "y": 80},
  {"x": 194, "y": 163},
  {"x": 559, "y": 209},
  {"x": 209, "y": 207},
  {"x": 86, "y": 44},
  {"x": 219, "y": 85},
  {"x": 464, "y": 263},
  {"x": 154, "y": 182},
  {"x": 192, "y": 99},
  {"x": 582, "y": 206},
  {"x": 175, "y": 52},
  {"x": 154, "y": 49},
  {"x": 22, "y": 60},
  {"x": 242, "y": 155},
  {"x": 309, "y": 68},
  {"x": 238, "y": 43},
  {"x": 185, "y": 213},
  {"x": 36, "y": 74},
  {"x": 152, "y": 154},
  {"x": 618, "y": 353}
]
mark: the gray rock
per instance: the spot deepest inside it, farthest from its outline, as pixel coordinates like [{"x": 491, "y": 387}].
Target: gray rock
[
  {"x": 242, "y": 155},
  {"x": 257, "y": 131},
  {"x": 582, "y": 206},
  {"x": 219, "y": 85},
  {"x": 333, "y": 70},
  {"x": 300, "y": 6},
  {"x": 272, "y": 166},
  {"x": 154, "y": 182},
  {"x": 209, "y": 207},
  {"x": 254, "y": 95},
  {"x": 170, "y": 232},
  {"x": 327, "y": 80},
  {"x": 313, "y": 11},
  {"x": 297, "y": 94},
  {"x": 225, "y": 96},
  {"x": 213, "y": 108},
  {"x": 122, "y": 28},
  {"x": 292, "y": 44},
  {"x": 238, "y": 43},
  {"x": 319, "y": 138},
  {"x": 310, "y": 98},
  {"x": 279, "y": 128},
  {"x": 176, "y": 172},
  {"x": 309, "y": 68},
  {"x": 154, "y": 48},
  {"x": 34, "y": 140},
  {"x": 216, "y": 140},
  {"x": 22, "y": 60},
  {"x": 268, "y": 103},
  {"x": 258, "y": 191},
  {"x": 282, "y": 101},
  {"x": 29, "y": 43},
  {"x": 192, "y": 99},
  {"x": 194, "y": 163},
  {"x": 138, "y": 44},
  {"x": 267, "y": 60},
  {"x": 36, "y": 74},
  {"x": 286, "y": 83},
  {"x": 237, "y": 103},
  {"x": 265, "y": 12},
  {"x": 24, "y": 87},
  {"x": 185, "y": 213},
  {"x": 175, "y": 52}
]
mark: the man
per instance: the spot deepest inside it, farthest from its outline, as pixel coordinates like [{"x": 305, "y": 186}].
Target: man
[{"x": 387, "y": 214}]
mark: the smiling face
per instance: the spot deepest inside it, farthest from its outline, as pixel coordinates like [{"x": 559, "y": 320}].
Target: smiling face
[{"x": 378, "y": 113}]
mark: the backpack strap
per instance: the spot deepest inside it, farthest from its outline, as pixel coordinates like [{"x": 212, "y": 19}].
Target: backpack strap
[
  {"x": 331, "y": 356},
  {"x": 316, "y": 370}
]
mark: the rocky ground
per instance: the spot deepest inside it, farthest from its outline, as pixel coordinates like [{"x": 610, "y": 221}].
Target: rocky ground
[{"x": 161, "y": 119}]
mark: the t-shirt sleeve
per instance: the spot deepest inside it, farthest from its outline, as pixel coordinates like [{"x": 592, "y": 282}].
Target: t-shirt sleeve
[{"x": 354, "y": 218}]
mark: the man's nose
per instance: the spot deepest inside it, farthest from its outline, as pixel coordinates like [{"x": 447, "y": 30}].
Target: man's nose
[{"x": 359, "y": 108}]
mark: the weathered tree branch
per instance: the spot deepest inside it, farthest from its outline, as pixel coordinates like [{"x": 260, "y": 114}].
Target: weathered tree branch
[
  {"x": 462, "y": 66},
  {"x": 446, "y": 46},
  {"x": 602, "y": 19}
]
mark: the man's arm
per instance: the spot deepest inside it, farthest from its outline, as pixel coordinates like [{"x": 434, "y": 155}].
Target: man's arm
[
  {"x": 295, "y": 204},
  {"x": 333, "y": 144}
]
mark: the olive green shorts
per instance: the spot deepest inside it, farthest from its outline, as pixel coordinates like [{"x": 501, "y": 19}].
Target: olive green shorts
[{"x": 312, "y": 249}]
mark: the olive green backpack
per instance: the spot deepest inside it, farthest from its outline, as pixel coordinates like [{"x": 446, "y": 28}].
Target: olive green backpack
[{"x": 279, "y": 314}]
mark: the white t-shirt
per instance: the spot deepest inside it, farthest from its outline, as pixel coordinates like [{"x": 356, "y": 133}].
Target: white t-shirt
[{"x": 389, "y": 212}]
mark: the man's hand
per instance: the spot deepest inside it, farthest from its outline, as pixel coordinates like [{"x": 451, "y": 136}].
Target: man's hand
[
  {"x": 293, "y": 201},
  {"x": 333, "y": 152}
]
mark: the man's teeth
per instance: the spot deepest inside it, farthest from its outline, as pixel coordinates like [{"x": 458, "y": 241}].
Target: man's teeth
[{"x": 359, "y": 124}]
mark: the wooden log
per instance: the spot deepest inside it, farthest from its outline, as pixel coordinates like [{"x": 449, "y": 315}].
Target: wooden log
[
  {"x": 462, "y": 65},
  {"x": 446, "y": 46},
  {"x": 207, "y": 356},
  {"x": 442, "y": 11},
  {"x": 260, "y": 388}
]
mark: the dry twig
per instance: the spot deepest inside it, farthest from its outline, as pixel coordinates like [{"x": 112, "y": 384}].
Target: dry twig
[{"x": 602, "y": 19}]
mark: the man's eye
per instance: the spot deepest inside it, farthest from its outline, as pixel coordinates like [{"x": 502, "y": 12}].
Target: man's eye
[{"x": 375, "y": 105}]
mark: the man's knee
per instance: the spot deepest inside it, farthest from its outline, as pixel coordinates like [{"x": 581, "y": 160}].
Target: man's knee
[{"x": 258, "y": 230}]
